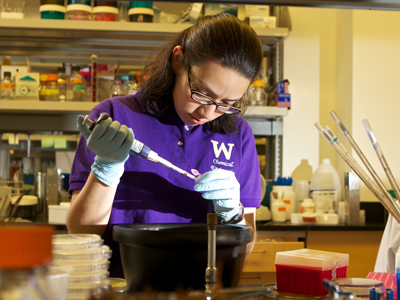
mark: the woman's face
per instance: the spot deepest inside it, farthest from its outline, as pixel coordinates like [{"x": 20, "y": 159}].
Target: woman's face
[{"x": 221, "y": 84}]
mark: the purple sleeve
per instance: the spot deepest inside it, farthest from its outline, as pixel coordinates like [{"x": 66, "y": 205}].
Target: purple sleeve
[{"x": 249, "y": 176}]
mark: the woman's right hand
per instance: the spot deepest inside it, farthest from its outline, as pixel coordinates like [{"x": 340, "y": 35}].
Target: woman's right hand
[
  {"x": 109, "y": 139},
  {"x": 111, "y": 143}
]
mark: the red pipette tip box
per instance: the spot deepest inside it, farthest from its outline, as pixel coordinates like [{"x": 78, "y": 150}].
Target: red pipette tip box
[{"x": 303, "y": 271}]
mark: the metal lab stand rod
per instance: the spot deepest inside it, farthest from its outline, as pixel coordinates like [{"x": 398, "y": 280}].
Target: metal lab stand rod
[{"x": 211, "y": 270}]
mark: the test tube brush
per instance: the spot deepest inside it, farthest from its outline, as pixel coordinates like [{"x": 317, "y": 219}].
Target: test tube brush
[
  {"x": 377, "y": 187},
  {"x": 390, "y": 201}
]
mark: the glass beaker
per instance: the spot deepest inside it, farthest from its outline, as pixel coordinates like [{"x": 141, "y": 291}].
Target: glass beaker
[{"x": 12, "y": 5}]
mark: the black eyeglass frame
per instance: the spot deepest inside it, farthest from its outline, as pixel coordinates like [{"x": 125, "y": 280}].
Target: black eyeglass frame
[{"x": 236, "y": 110}]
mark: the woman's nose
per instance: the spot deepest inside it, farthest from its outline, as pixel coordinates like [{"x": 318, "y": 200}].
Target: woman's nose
[{"x": 208, "y": 111}]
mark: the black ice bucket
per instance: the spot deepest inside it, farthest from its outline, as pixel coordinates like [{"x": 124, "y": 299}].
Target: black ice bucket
[{"x": 170, "y": 257}]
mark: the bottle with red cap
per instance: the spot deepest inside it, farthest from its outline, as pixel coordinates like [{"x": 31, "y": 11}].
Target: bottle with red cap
[{"x": 25, "y": 255}]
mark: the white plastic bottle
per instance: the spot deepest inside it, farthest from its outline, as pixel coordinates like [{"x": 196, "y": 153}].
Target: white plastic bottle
[
  {"x": 288, "y": 197},
  {"x": 301, "y": 189},
  {"x": 325, "y": 186},
  {"x": 307, "y": 206},
  {"x": 278, "y": 210}
]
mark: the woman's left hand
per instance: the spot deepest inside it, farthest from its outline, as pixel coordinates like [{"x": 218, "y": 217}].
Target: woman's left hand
[{"x": 222, "y": 187}]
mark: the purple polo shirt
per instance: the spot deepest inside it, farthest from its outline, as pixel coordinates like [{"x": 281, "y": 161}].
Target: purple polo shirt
[{"x": 152, "y": 193}]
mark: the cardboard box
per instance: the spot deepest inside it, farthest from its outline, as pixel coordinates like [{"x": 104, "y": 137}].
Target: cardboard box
[
  {"x": 283, "y": 100},
  {"x": 213, "y": 9},
  {"x": 262, "y": 22},
  {"x": 256, "y": 10},
  {"x": 282, "y": 87},
  {"x": 14, "y": 70},
  {"x": 27, "y": 86}
]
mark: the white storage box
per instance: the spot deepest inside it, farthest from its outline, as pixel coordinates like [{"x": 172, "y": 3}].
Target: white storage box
[
  {"x": 58, "y": 213},
  {"x": 256, "y": 10},
  {"x": 262, "y": 22}
]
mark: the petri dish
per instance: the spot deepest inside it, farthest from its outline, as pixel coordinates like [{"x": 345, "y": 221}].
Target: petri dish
[
  {"x": 118, "y": 285},
  {"x": 76, "y": 241},
  {"x": 360, "y": 286},
  {"x": 88, "y": 290},
  {"x": 93, "y": 254},
  {"x": 88, "y": 277},
  {"x": 83, "y": 265}
]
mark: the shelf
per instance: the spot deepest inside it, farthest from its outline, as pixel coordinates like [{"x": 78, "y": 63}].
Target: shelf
[
  {"x": 47, "y": 40},
  {"x": 49, "y": 107},
  {"x": 266, "y": 112},
  {"x": 21, "y": 116},
  {"x": 45, "y": 107}
]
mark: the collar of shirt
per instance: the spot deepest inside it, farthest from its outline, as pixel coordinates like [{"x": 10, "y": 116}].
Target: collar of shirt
[{"x": 169, "y": 119}]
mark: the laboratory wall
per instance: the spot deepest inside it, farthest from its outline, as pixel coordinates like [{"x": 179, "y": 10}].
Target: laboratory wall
[
  {"x": 376, "y": 88},
  {"x": 347, "y": 61}
]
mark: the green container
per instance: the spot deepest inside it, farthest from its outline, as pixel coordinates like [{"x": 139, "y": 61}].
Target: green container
[
  {"x": 56, "y": 2},
  {"x": 50, "y": 11},
  {"x": 84, "y": 2},
  {"x": 145, "y": 4}
]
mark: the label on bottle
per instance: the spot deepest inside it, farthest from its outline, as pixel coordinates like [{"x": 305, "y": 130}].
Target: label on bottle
[
  {"x": 326, "y": 196},
  {"x": 49, "y": 92},
  {"x": 79, "y": 87},
  {"x": 7, "y": 86},
  {"x": 307, "y": 209}
]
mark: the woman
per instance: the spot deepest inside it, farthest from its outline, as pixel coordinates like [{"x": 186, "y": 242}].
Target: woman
[{"x": 188, "y": 112}]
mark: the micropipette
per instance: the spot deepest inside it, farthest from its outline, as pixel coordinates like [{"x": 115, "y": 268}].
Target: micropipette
[{"x": 138, "y": 148}]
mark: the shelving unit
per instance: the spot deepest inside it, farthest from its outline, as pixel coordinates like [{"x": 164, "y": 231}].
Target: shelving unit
[
  {"x": 128, "y": 44},
  {"x": 52, "y": 40}
]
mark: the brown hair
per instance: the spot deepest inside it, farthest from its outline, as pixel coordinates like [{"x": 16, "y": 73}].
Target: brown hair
[{"x": 222, "y": 38}]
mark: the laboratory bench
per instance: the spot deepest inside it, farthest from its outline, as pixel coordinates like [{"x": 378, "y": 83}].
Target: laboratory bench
[
  {"x": 361, "y": 242},
  {"x": 287, "y": 226}
]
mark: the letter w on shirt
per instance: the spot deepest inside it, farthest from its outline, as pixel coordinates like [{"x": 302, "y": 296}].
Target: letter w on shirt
[{"x": 217, "y": 151}]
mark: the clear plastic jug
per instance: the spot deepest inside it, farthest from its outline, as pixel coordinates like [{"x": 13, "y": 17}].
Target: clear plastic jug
[{"x": 325, "y": 186}]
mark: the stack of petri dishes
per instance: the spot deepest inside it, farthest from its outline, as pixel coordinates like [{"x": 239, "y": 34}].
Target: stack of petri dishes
[{"x": 86, "y": 258}]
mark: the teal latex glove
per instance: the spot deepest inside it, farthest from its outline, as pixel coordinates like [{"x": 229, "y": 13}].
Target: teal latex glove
[
  {"x": 111, "y": 143},
  {"x": 222, "y": 187}
]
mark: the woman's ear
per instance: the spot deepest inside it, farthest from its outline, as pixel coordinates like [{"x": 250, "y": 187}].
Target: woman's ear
[{"x": 177, "y": 55}]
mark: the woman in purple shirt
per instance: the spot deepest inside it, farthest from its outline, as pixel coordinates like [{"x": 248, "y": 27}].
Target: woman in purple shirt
[{"x": 188, "y": 111}]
